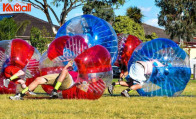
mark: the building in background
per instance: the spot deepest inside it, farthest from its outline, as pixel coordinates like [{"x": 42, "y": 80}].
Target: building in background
[
  {"x": 39, "y": 23},
  {"x": 34, "y": 22}
]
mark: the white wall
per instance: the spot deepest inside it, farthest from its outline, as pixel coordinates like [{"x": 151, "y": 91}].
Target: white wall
[{"x": 192, "y": 58}]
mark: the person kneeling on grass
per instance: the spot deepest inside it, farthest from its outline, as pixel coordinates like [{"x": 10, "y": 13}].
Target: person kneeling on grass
[
  {"x": 136, "y": 76},
  {"x": 60, "y": 81}
]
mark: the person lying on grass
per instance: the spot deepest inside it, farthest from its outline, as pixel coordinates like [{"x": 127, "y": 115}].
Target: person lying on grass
[
  {"x": 91, "y": 89},
  {"x": 136, "y": 76},
  {"x": 60, "y": 81}
]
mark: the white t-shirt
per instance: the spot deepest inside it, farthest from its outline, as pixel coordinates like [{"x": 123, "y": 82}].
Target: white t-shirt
[{"x": 137, "y": 72}]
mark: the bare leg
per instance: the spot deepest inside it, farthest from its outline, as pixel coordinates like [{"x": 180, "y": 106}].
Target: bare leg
[
  {"x": 36, "y": 82},
  {"x": 136, "y": 86},
  {"x": 22, "y": 82},
  {"x": 18, "y": 88},
  {"x": 13, "y": 77},
  {"x": 63, "y": 74},
  {"x": 123, "y": 83},
  {"x": 19, "y": 73}
]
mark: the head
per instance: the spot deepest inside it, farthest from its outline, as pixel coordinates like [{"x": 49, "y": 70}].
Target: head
[
  {"x": 92, "y": 77},
  {"x": 137, "y": 72},
  {"x": 123, "y": 68}
]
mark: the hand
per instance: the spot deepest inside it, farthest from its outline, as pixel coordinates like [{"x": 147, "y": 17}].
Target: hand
[
  {"x": 70, "y": 63},
  {"x": 122, "y": 75}
]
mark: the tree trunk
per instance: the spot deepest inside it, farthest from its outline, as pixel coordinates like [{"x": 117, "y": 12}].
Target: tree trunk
[
  {"x": 48, "y": 17},
  {"x": 64, "y": 13},
  {"x": 50, "y": 22}
]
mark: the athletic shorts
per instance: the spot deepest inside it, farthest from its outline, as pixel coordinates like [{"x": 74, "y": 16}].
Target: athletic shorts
[
  {"x": 137, "y": 73},
  {"x": 52, "y": 80},
  {"x": 133, "y": 82}
]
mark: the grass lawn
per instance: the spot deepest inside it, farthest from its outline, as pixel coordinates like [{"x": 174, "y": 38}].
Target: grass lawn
[{"x": 183, "y": 107}]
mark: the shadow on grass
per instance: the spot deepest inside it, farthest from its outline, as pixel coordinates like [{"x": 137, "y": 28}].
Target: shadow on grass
[
  {"x": 42, "y": 94},
  {"x": 39, "y": 98},
  {"x": 187, "y": 96},
  {"x": 118, "y": 95}
]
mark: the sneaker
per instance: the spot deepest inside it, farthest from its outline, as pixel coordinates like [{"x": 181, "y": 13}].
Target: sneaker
[
  {"x": 6, "y": 82},
  {"x": 110, "y": 89},
  {"x": 54, "y": 94},
  {"x": 32, "y": 93},
  {"x": 125, "y": 93},
  {"x": 16, "y": 97}
]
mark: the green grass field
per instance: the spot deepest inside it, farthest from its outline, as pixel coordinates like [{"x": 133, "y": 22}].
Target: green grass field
[{"x": 183, "y": 107}]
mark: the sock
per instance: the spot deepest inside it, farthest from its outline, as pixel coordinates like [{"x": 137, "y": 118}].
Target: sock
[
  {"x": 113, "y": 83},
  {"x": 24, "y": 91},
  {"x": 58, "y": 84},
  {"x": 54, "y": 90},
  {"x": 13, "y": 77}
]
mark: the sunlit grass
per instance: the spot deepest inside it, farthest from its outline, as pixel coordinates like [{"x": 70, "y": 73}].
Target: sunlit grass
[{"x": 106, "y": 107}]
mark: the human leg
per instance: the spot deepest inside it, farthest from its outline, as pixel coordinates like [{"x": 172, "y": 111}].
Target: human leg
[
  {"x": 136, "y": 87},
  {"x": 23, "y": 86},
  {"x": 13, "y": 77},
  {"x": 111, "y": 87},
  {"x": 127, "y": 83},
  {"x": 63, "y": 76},
  {"x": 64, "y": 73},
  {"x": 126, "y": 91},
  {"x": 32, "y": 86},
  {"x": 22, "y": 82},
  {"x": 133, "y": 87}
]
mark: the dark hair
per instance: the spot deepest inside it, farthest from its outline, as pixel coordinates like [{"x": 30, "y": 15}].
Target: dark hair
[{"x": 123, "y": 67}]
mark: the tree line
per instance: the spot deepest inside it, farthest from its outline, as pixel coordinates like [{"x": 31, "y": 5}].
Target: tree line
[{"x": 176, "y": 16}]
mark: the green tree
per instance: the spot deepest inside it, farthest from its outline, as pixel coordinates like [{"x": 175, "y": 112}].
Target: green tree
[
  {"x": 123, "y": 24},
  {"x": 135, "y": 14},
  {"x": 99, "y": 9},
  {"x": 152, "y": 36},
  {"x": 9, "y": 28},
  {"x": 46, "y": 6},
  {"x": 38, "y": 38},
  {"x": 178, "y": 17}
]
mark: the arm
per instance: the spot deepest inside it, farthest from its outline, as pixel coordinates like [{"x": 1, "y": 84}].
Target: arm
[{"x": 123, "y": 75}]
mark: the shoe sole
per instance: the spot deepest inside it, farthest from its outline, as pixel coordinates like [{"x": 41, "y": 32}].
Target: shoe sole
[
  {"x": 4, "y": 84},
  {"x": 111, "y": 93},
  {"x": 15, "y": 99},
  {"x": 122, "y": 94}
]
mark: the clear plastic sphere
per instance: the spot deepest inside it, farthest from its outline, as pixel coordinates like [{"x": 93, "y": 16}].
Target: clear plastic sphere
[
  {"x": 126, "y": 46},
  {"x": 92, "y": 66},
  {"x": 94, "y": 30},
  {"x": 16, "y": 55},
  {"x": 169, "y": 79}
]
